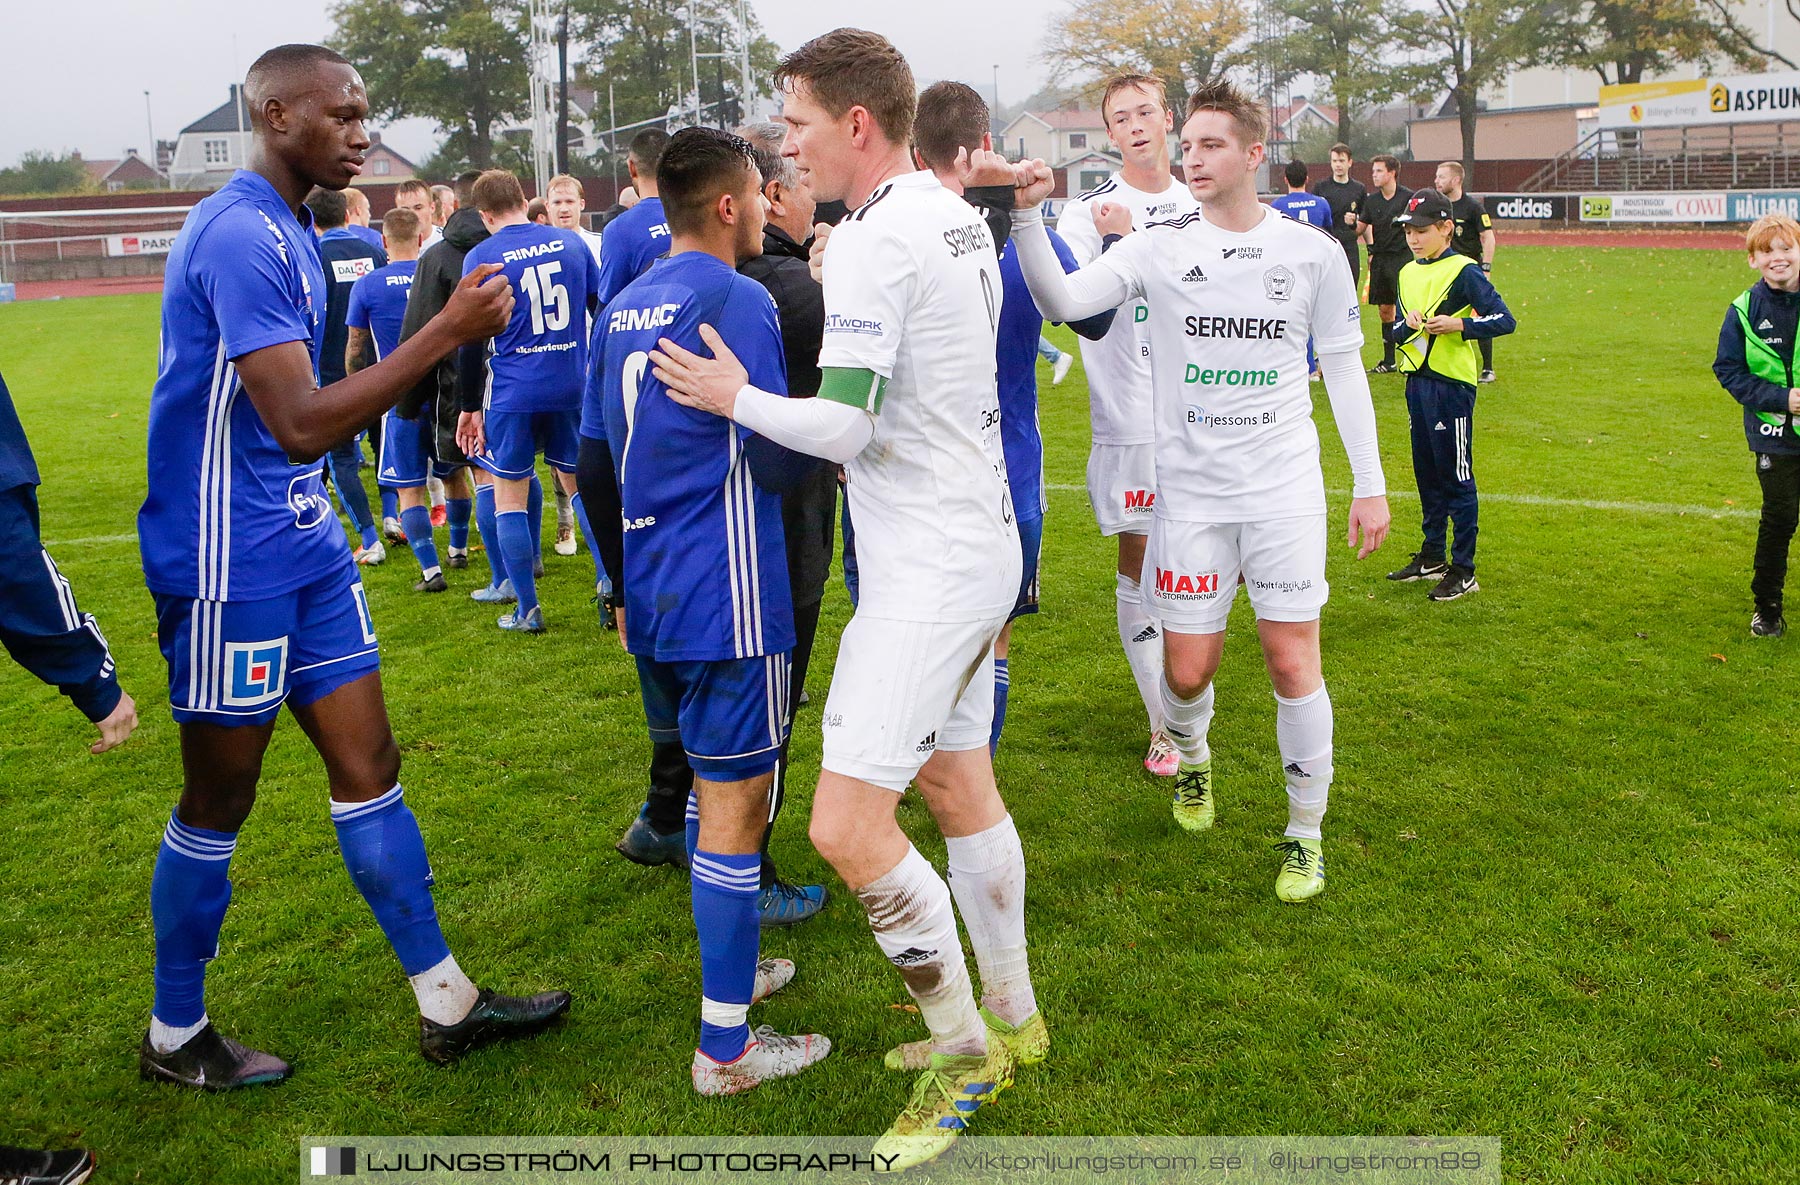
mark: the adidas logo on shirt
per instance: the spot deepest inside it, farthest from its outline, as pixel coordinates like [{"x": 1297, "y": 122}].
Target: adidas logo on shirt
[
  {"x": 1439, "y": 427},
  {"x": 1766, "y": 324},
  {"x": 1194, "y": 277}
]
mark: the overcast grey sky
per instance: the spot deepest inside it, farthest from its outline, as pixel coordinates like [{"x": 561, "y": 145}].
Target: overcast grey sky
[{"x": 80, "y": 86}]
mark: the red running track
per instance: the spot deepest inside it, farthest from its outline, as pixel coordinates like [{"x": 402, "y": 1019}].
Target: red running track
[{"x": 106, "y": 286}]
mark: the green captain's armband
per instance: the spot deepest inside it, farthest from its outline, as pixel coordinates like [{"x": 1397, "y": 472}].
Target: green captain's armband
[{"x": 852, "y": 385}]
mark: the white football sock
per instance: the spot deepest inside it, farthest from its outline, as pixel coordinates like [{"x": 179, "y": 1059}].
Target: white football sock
[
  {"x": 1142, "y": 640},
  {"x": 909, "y": 910},
  {"x": 1187, "y": 721},
  {"x": 987, "y": 878},
  {"x": 167, "y": 1039},
  {"x": 1303, "y": 733},
  {"x": 445, "y": 993}
]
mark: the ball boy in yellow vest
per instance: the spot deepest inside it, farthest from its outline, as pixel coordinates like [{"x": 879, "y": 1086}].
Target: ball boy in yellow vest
[
  {"x": 1756, "y": 365},
  {"x": 1446, "y": 307}
]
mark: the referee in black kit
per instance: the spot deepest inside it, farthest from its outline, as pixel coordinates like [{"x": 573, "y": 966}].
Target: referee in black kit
[
  {"x": 1345, "y": 195},
  {"x": 1473, "y": 236},
  {"x": 1388, "y": 252}
]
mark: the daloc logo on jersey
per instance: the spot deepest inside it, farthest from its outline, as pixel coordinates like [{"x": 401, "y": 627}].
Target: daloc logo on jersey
[
  {"x": 306, "y": 495},
  {"x": 255, "y": 672}
]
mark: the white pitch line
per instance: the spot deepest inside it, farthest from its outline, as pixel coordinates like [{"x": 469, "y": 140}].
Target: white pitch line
[
  {"x": 1674, "y": 509},
  {"x": 91, "y": 539}
]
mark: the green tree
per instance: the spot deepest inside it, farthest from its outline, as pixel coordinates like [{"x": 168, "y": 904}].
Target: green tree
[
  {"x": 1624, "y": 40},
  {"x": 642, "y": 48},
  {"x": 45, "y": 172},
  {"x": 1348, "y": 45},
  {"x": 1469, "y": 46},
  {"x": 1183, "y": 42},
  {"x": 461, "y": 63}
]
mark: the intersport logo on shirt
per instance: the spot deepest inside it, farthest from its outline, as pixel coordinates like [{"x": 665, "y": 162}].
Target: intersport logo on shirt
[{"x": 1186, "y": 586}]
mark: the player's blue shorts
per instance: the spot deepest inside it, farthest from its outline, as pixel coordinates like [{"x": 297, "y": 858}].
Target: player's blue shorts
[
  {"x": 405, "y": 458},
  {"x": 729, "y": 715},
  {"x": 514, "y": 439},
  {"x": 236, "y": 662},
  {"x": 1031, "y": 542}
]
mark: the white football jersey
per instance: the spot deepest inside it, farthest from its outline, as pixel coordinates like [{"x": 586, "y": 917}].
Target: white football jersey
[
  {"x": 1118, "y": 365},
  {"x": 912, "y": 292},
  {"x": 1229, "y": 318}
]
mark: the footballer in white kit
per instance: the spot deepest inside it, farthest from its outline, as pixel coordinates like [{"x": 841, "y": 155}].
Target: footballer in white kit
[
  {"x": 1121, "y": 470},
  {"x": 912, "y": 291},
  {"x": 1234, "y": 290},
  {"x": 908, "y": 403}
]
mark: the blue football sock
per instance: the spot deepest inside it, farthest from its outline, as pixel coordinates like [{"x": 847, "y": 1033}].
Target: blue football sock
[
  {"x": 1002, "y": 684},
  {"x": 416, "y": 522},
  {"x": 490, "y": 537},
  {"x": 693, "y": 824},
  {"x": 459, "y": 511},
  {"x": 513, "y": 527},
  {"x": 188, "y": 894},
  {"x": 601, "y": 583},
  {"x": 534, "y": 508},
  {"x": 725, "y": 914},
  {"x": 386, "y": 857},
  {"x": 390, "y": 502}
]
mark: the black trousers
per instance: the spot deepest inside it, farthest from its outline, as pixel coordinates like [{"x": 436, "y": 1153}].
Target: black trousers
[{"x": 1779, "y": 476}]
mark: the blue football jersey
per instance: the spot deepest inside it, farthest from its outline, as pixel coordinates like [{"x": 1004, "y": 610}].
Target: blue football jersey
[
  {"x": 228, "y": 516},
  {"x": 539, "y": 362},
  {"x": 378, "y": 304},
  {"x": 630, "y": 244},
  {"x": 706, "y": 567},
  {"x": 1305, "y": 207},
  {"x": 1015, "y": 350}
]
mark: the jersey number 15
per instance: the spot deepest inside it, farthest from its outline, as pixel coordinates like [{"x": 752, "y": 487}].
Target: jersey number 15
[{"x": 549, "y": 300}]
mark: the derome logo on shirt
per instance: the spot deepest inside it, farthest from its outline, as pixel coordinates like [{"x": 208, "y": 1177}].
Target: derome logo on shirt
[
  {"x": 1186, "y": 586},
  {"x": 1209, "y": 377},
  {"x": 838, "y": 323}
]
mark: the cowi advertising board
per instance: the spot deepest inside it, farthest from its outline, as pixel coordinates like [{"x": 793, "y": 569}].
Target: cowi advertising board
[
  {"x": 1653, "y": 207},
  {"x": 1742, "y": 98}
]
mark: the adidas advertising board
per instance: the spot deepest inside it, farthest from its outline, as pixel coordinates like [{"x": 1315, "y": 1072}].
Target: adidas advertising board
[{"x": 1527, "y": 207}]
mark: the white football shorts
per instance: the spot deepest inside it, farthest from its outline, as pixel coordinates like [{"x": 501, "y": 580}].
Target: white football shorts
[
  {"x": 1191, "y": 571},
  {"x": 1121, "y": 481}
]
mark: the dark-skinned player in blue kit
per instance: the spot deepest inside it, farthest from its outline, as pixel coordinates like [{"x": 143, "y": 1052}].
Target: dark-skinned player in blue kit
[{"x": 258, "y": 602}]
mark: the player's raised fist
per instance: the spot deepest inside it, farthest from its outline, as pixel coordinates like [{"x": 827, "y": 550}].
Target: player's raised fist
[
  {"x": 982, "y": 167},
  {"x": 1033, "y": 181},
  {"x": 480, "y": 307},
  {"x": 815, "y": 258},
  {"x": 1112, "y": 219}
]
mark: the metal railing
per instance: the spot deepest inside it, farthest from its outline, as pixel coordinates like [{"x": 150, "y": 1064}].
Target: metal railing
[{"x": 1735, "y": 156}]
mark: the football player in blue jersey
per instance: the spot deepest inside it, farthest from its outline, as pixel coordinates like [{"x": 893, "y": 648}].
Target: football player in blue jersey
[
  {"x": 953, "y": 121},
  {"x": 377, "y": 309},
  {"x": 521, "y": 389},
  {"x": 640, "y": 236},
  {"x": 708, "y": 613},
  {"x": 258, "y": 603}
]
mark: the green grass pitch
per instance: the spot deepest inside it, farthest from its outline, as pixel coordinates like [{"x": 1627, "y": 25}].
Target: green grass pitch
[{"x": 1562, "y": 837}]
